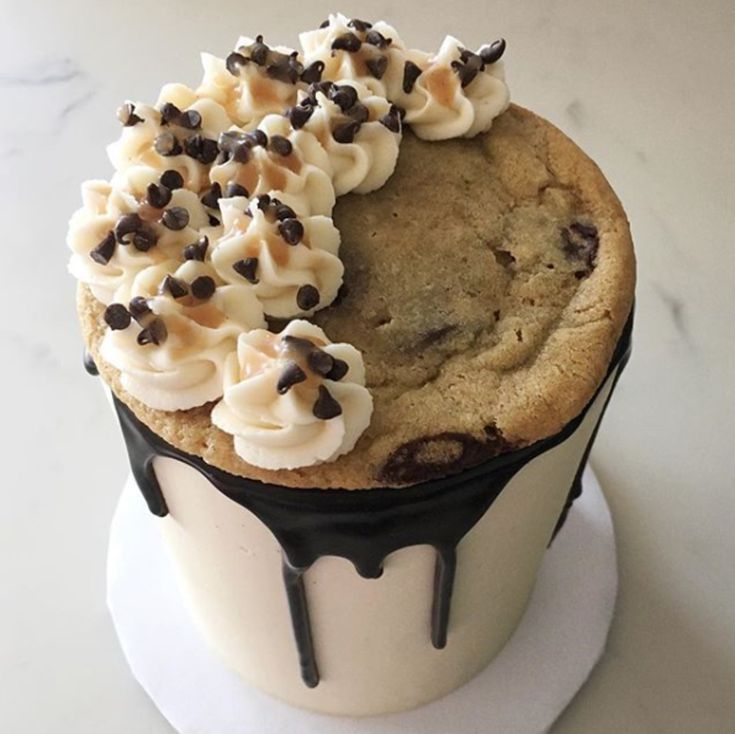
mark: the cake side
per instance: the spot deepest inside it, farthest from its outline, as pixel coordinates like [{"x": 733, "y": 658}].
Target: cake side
[{"x": 503, "y": 351}]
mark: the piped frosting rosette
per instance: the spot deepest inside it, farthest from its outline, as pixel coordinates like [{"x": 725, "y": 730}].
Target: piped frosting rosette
[
  {"x": 354, "y": 49},
  {"x": 118, "y": 232},
  {"x": 289, "y": 262},
  {"x": 453, "y": 93},
  {"x": 293, "y": 399},
  {"x": 180, "y": 133},
  {"x": 254, "y": 162},
  {"x": 170, "y": 340},
  {"x": 253, "y": 81},
  {"x": 218, "y": 215},
  {"x": 359, "y": 131}
]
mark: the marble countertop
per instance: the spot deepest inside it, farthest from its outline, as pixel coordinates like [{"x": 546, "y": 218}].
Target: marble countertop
[{"x": 645, "y": 88}]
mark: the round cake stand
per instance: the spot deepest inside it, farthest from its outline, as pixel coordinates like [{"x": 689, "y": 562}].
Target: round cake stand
[{"x": 523, "y": 690}]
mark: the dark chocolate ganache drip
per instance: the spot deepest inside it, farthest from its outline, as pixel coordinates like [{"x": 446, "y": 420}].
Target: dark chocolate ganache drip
[{"x": 361, "y": 526}]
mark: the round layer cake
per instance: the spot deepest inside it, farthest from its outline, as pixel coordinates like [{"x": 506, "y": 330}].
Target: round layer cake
[{"x": 486, "y": 285}]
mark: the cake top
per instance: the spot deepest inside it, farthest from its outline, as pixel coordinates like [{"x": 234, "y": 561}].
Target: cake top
[{"x": 467, "y": 306}]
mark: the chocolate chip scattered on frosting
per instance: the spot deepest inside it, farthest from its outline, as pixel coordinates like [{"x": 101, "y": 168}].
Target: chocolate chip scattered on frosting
[{"x": 219, "y": 213}]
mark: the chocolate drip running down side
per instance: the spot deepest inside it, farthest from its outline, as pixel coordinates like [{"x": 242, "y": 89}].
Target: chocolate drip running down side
[{"x": 362, "y": 526}]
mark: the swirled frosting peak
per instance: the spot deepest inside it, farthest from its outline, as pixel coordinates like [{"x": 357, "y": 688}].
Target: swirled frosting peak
[
  {"x": 293, "y": 399},
  {"x": 219, "y": 215}
]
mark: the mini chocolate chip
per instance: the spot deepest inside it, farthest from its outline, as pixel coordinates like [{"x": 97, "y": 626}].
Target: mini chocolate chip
[
  {"x": 319, "y": 361},
  {"x": 466, "y": 72},
  {"x": 158, "y": 196},
  {"x": 292, "y": 374},
  {"x": 145, "y": 238},
  {"x": 208, "y": 152},
  {"x": 126, "y": 115},
  {"x": 172, "y": 179},
  {"x": 234, "y": 189},
  {"x": 247, "y": 268},
  {"x": 193, "y": 146},
  {"x": 259, "y": 51},
  {"x": 203, "y": 287},
  {"x": 299, "y": 344},
  {"x": 344, "y": 96},
  {"x": 283, "y": 211},
  {"x": 346, "y": 133},
  {"x": 127, "y": 224},
  {"x": 281, "y": 145},
  {"x": 375, "y": 38},
  {"x": 339, "y": 369},
  {"x": 154, "y": 333},
  {"x": 175, "y": 218},
  {"x": 138, "y": 307},
  {"x": 169, "y": 113},
  {"x": 347, "y": 42},
  {"x": 377, "y": 66},
  {"x": 360, "y": 25},
  {"x": 213, "y": 221},
  {"x": 324, "y": 87},
  {"x": 492, "y": 53},
  {"x": 313, "y": 72},
  {"x": 411, "y": 72},
  {"x": 117, "y": 317},
  {"x": 257, "y": 137},
  {"x": 359, "y": 112},
  {"x": 262, "y": 201},
  {"x": 234, "y": 62},
  {"x": 392, "y": 119},
  {"x": 285, "y": 69},
  {"x": 235, "y": 145},
  {"x": 177, "y": 288},
  {"x": 197, "y": 250},
  {"x": 324, "y": 24},
  {"x": 307, "y": 297},
  {"x": 298, "y": 116},
  {"x": 191, "y": 120},
  {"x": 326, "y": 407},
  {"x": 291, "y": 230},
  {"x": 103, "y": 253},
  {"x": 212, "y": 197},
  {"x": 167, "y": 144}
]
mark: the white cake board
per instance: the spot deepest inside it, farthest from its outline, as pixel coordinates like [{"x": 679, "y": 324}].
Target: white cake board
[{"x": 524, "y": 689}]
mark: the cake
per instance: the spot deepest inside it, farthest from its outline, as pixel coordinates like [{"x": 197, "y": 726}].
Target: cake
[{"x": 354, "y": 307}]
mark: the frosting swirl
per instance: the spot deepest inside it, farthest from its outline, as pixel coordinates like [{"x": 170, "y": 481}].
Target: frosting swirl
[
  {"x": 253, "y": 81},
  {"x": 172, "y": 346},
  {"x": 118, "y": 232},
  {"x": 359, "y": 131},
  {"x": 454, "y": 93},
  {"x": 290, "y": 263},
  {"x": 179, "y": 133},
  {"x": 293, "y": 399}
]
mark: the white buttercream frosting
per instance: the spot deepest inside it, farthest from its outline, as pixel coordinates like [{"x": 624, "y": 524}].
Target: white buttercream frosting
[
  {"x": 438, "y": 107},
  {"x": 219, "y": 214},
  {"x": 277, "y": 429},
  {"x": 367, "y": 161},
  {"x": 303, "y": 176},
  {"x": 248, "y": 92},
  {"x": 282, "y": 269},
  {"x": 186, "y": 368}
]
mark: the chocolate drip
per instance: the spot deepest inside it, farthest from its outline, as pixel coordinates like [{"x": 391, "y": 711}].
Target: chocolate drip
[
  {"x": 446, "y": 566},
  {"x": 361, "y": 526},
  {"x": 293, "y": 579}
]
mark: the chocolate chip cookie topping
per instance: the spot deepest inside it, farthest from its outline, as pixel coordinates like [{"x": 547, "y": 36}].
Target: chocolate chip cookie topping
[{"x": 218, "y": 217}]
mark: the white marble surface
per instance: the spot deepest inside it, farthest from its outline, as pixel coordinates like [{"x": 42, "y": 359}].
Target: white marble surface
[{"x": 645, "y": 87}]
